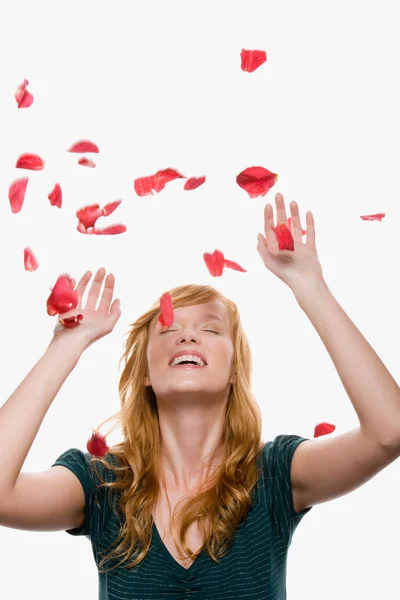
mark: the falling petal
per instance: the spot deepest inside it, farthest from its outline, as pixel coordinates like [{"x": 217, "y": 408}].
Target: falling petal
[
  {"x": 30, "y": 261},
  {"x": 257, "y": 181},
  {"x": 86, "y": 162},
  {"x": 214, "y": 262},
  {"x": 166, "y": 317},
  {"x": 144, "y": 186},
  {"x": 232, "y": 265},
  {"x": 33, "y": 162},
  {"x": 88, "y": 215},
  {"x": 55, "y": 196},
  {"x": 110, "y": 230},
  {"x": 83, "y": 147},
  {"x": 323, "y": 429},
  {"x": 164, "y": 176},
  {"x": 110, "y": 207},
  {"x": 284, "y": 237},
  {"x": 193, "y": 183},
  {"x": 81, "y": 228},
  {"x": 97, "y": 445},
  {"x": 252, "y": 59},
  {"x": 71, "y": 322},
  {"x": 376, "y": 217},
  {"x": 63, "y": 297},
  {"x": 23, "y": 97},
  {"x": 16, "y": 194}
]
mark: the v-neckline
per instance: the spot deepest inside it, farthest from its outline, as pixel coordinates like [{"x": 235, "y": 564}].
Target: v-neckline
[{"x": 169, "y": 556}]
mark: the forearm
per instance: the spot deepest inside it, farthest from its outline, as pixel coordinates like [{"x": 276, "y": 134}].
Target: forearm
[
  {"x": 372, "y": 390},
  {"x": 22, "y": 414}
]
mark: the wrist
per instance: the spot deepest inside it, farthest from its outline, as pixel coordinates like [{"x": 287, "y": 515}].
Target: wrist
[
  {"x": 66, "y": 349},
  {"x": 308, "y": 290}
]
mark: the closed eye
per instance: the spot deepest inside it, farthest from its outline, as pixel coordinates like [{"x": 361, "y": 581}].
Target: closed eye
[{"x": 210, "y": 330}]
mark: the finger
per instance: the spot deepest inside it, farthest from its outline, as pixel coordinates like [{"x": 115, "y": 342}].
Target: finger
[
  {"x": 94, "y": 291},
  {"x": 270, "y": 236},
  {"x": 107, "y": 295},
  {"x": 81, "y": 287},
  {"x": 280, "y": 209},
  {"x": 263, "y": 250},
  {"x": 310, "y": 229},
  {"x": 296, "y": 225}
]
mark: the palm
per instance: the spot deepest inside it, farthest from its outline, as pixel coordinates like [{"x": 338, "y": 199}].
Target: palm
[
  {"x": 97, "y": 321},
  {"x": 290, "y": 266}
]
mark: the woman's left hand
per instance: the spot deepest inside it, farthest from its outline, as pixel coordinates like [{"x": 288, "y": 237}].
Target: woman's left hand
[{"x": 296, "y": 267}]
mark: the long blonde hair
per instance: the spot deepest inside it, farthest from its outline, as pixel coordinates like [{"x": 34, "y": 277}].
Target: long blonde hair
[{"x": 225, "y": 500}]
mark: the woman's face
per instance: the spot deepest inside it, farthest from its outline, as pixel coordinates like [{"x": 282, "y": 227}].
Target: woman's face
[{"x": 205, "y": 329}]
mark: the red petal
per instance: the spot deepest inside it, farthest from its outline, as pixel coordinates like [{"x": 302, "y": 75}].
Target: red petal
[
  {"x": 110, "y": 230},
  {"x": 86, "y": 162},
  {"x": 62, "y": 297},
  {"x": 214, "y": 262},
  {"x": 110, "y": 207},
  {"x": 284, "y": 237},
  {"x": 97, "y": 445},
  {"x": 323, "y": 429},
  {"x": 30, "y": 261},
  {"x": 81, "y": 228},
  {"x": 16, "y": 194},
  {"x": 55, "y": 196},
  {"x": 232, "y": 265},
  {"x": 252, "y": 59},
  {"x": 144, "y": 186},
  {"x": 84, "y": 146},
  {"x": 88, "y": 215},
  {"x": 303, "y": 231},
  {"x": 163, "y": 177},
  {"x": 257, "y": 181},
  {"x": 30, "y": 161},
  {"x": 166, "y": 317},
  {"x": 71, "y": 322},
  {"x": 193, "y": 183},
  {"x": 23, "y": 97},
  {"x": 376, "y": 217}
]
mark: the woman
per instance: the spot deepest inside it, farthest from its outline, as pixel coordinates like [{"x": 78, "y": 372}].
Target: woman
[{"x": 193, "y": 502}]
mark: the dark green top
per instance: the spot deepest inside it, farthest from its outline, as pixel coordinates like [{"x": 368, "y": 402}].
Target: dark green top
[{"x": 254, "y": 567}]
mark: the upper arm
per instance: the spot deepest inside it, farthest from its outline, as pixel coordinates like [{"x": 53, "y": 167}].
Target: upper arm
[
  {"x": 53, "y": 500},
  {"x": 325, "y": 469}
]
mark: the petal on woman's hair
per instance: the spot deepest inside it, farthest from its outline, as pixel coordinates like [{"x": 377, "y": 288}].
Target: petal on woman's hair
[{"x": 97, "y": 445}]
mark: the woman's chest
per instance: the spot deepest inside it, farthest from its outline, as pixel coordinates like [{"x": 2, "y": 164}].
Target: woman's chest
[{"x": 162, "y": 517}]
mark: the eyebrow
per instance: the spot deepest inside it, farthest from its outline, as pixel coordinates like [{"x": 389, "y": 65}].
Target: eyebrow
[{"x": 210, "y": 316}]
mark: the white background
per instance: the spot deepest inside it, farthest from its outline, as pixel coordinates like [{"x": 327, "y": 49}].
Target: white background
[{"x": 158, "y": 85}]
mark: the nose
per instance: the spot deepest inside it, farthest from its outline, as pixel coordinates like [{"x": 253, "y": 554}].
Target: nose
[{"x": 188, "y": 335}]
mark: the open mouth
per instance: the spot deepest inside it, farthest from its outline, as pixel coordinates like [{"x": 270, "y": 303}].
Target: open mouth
[{"x": 189, "y": 364}]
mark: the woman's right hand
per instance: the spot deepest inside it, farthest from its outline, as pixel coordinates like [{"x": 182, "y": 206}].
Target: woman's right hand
[{"x": 96, "y": 323}]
